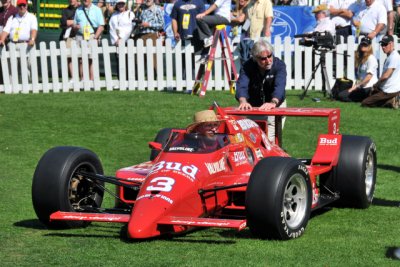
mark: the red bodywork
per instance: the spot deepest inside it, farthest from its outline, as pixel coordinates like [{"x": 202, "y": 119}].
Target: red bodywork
[{"x": 182, "y": 189}]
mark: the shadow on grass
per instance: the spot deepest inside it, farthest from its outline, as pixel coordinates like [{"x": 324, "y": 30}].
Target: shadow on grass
[
  {"x": 31, "y": 224},
  {"x": 385, "y": 202},
  {"x": 389, "y": 167},
  {"x": 393, "y": 253}
]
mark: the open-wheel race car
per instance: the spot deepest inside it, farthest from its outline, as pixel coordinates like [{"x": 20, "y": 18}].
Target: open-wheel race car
[{"x": 243, "y": 180}]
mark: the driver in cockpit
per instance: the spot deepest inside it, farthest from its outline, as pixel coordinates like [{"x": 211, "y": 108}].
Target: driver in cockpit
[{"x": 205, "y": 125}]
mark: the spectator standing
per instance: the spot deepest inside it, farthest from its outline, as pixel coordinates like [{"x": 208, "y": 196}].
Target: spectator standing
[
  {"x": 121, "y": 27},
  {"x": 367, "y": 68},
  {"x": 324, "y": 22},
  {"x": 260, "y": 14},
  {"x": 341, "y": 17},
  {"x": 21, "y": 28},
  {"x": 262, "y": 82},
  {"x": 88, "y": 25},
  {"x": 121, "y": 23},
  {"x": 385, "y": 92},
  {"x": 66, "y": 23},
  {"x": 238, "y": 16},
  {"x": 388, "y": 4},
  {"x": 183, "y": 17},
  {"x": 283, "y": 2},
  {"x": 184, "y": 24},
  {"x": 6, "y": 11},
  {"x": 152, "y": 23},
  {"x": 218, "y": 13},
  {"x": 370, "y": 18}
]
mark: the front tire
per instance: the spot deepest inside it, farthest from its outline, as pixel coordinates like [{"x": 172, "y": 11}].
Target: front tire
[
  {"x": 278, "y": 198},
  {"x": 56, "y": 185},
  {"x": 162, "y": 138}
]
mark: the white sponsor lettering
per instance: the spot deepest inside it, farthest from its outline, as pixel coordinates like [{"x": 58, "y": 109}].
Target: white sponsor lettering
[
  {"x": 327, "y": 141},
  {"x": 190, "y": 170},
  {"x": 303, "y": 168},
  {"x": 215, "y": 167},
  {"x": 239, "y": 156},
  {"x": 189, "y": 149},
  {"x": 151, "y": 196},
  {"x": 246, "y": 124}
]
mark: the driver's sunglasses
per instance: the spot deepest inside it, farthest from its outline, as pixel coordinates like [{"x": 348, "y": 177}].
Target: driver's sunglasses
[
  {"x": 265, "y": 58},
  {"x": 211, "y": 125}
]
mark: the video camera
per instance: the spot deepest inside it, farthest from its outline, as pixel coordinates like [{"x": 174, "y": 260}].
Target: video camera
[{"x": 317, "y": 40}]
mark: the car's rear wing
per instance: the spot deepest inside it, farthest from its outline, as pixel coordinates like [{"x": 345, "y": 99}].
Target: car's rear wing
[{"x": 333, "y": 115}]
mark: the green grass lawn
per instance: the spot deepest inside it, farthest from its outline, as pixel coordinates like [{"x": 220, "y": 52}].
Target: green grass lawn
[{"x": 118, "y": 125}]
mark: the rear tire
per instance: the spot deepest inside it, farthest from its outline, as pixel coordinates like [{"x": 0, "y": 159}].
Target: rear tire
[
  {"x": 278, "y": 198},
  {"x": 57, "y": 187},
  {"x": 354, "y": 177}
]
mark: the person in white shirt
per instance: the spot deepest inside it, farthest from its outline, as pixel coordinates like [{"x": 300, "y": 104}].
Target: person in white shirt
[
  {"x": 21, "y": 28},
  {"x": 371, "y": 19},
  {"x": 338, "y": 10},
  {"x": 121, "y": 24},
  {"x": 386, "y": 90},
  {"x": 367, "y": 69},
  {"x": 388, "y": 4},
  {"x": 324, "y": 22}
]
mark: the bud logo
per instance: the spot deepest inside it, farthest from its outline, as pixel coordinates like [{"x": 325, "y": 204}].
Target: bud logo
[
  {"x": 239, "y": 156},
  {"x": 215, "y": 167},
  {"x": 190, "y": 170},
  {"x": 326, "y": 141}
]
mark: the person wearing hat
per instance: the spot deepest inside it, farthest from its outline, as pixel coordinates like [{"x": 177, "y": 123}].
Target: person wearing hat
[
  {"x": 121, "y": 24},
  {"x": 6, "y": 11},
  {"x": 205, "y": 124},
  {"x": 367, "y": 69},
  {"x": 21, "y": 28},
  {"x": 386, "y": 90},
  {"x": 324, "y": 22}
]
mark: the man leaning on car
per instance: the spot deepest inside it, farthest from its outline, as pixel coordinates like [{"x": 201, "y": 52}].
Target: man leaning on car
[{"x": 265, "y": 87}]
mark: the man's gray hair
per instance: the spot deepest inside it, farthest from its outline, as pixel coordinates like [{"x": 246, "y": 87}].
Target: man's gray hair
[{"x": 260, "y": 46}]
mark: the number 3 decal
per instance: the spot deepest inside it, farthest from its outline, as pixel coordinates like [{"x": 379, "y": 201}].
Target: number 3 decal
[{"x": 161, "y": 184}]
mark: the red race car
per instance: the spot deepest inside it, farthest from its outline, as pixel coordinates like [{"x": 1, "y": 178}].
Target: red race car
[{"x": 241, "y": 180}]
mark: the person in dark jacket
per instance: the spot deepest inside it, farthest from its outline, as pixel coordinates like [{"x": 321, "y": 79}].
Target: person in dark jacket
[{"x": 262, "y": 82}]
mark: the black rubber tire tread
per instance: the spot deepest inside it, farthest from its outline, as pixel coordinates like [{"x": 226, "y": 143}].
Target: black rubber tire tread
[
  {"x": 162, "y": 138},
  {"x": 51, "y": 182},
  {"x": 264, "y": 198}
]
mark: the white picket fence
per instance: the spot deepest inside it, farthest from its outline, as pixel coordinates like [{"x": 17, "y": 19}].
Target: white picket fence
[{"x": 45, "y": 69}]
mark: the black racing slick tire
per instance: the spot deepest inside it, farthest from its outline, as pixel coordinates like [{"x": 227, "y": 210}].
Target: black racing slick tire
[
  {"x": 162, "y": 138},
  {"x": 57, "y": 186},
  {"x": 278, "y": 198},
  {"x": 354, "y": 177}
]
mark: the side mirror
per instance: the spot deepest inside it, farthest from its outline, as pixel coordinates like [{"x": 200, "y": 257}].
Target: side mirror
[{"x": 155, "y": 145}]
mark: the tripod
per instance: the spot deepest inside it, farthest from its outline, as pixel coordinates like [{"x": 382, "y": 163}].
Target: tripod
[{"x": 326, "y": 88}]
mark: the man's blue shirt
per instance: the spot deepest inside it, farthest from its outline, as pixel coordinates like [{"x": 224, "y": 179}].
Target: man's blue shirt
[{"x": 258, "y": 88}]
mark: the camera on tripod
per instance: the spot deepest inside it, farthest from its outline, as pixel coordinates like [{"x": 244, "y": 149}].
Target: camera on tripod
[{"x": 318, "y": 40}]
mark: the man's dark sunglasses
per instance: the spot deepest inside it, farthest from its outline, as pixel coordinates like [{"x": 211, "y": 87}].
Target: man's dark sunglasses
[
  {"x": 265, "y": 58},
  {"x": 22, "y": 5}
]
